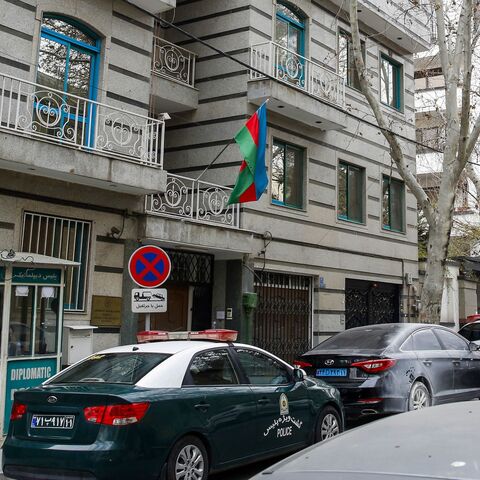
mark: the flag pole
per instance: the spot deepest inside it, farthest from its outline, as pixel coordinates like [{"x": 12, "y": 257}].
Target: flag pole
[
  {"x": 215, "y": 159},
  {"x": 220, "y": 153}
]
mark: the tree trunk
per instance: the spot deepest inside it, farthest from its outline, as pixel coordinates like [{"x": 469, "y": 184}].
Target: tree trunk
[{"x": 431, "y": 296}]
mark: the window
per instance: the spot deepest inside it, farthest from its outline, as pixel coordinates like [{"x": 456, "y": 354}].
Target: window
[
  {"x": 126, "y": 368},
  {"x": 289, "y": 36},
  {"x": 287, "y": 175},
  {"x": 61, "y": 238},
  {"x": 289, "y": 29},
  {"x": 451, "y": 341},
  {"x": 33, "y": 327},
  {"x": 262, "y": 369},
  {"x": 67, "y": 61},
  {"x": 470, "y": 332},
  {"x": 346, "y": 61},
  {"x": 350, "y": 192},
  {"x": 390, "y": 82},
  {"x": 426, "y": 340},
  {"x": 212, "y": 367},
  {"x": 393, "y": 204}
]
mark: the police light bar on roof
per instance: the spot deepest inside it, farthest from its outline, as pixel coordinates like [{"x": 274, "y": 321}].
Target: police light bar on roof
[{"x": 221, "y": 335}]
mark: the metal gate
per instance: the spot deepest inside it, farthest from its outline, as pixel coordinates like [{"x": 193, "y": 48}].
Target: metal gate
[
  {"x": 369, "y": 303},
  {"x": 283, "y": 316}
]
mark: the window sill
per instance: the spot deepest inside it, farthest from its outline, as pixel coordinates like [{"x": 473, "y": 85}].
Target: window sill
[
  {"x": 351, "y": 224},
  {"x": 391, "y": 230},
  {"x": 351, "y": 220},
  {"x": 400, "y": 111},
  {"x": 287, "y": 208}
]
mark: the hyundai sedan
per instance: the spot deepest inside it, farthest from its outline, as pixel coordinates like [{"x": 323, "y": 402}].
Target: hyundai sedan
[
  {"x": 392, "y": 368},
  {"x": 175, "y": 409}
]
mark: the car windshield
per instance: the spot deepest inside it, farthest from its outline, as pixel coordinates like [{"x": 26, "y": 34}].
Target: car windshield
[
  {"x": 371, "y": 338},
  {"x": 126, "y": 368}
]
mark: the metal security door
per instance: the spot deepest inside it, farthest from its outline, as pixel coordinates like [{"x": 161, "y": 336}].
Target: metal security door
[
  {"x": 283, "y": 316},
  {"x": 369, "y": 303}
]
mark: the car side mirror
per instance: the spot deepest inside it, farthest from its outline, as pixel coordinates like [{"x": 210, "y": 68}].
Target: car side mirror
[
  {"x": 474, "y": 347},
  {"x": 299, "y": 375}
]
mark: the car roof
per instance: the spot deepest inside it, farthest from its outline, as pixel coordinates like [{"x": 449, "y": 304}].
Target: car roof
[
  {"x": 436, "y": 442},
  {"x": 169, "y": 346}
]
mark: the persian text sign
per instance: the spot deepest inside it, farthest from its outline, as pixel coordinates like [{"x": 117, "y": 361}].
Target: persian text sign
[{"x": 149, "y": 300}]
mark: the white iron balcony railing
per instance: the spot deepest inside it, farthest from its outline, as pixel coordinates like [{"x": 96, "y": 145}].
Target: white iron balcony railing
[
  {"x": 195, "y": 200},
  {"x": 38, "y": 111},
  {"x": 173, "y": 62},
  {"x": 297, "y": 71}
]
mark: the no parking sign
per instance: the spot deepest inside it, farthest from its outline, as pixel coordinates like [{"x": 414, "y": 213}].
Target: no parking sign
[{"x": 149, "y": 266}]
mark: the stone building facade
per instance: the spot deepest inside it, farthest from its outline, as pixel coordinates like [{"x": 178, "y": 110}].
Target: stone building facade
[{"x": 91, "y": 167}]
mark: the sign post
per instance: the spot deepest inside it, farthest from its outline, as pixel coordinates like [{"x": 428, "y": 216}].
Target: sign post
[{"x": 149, "y": 267}]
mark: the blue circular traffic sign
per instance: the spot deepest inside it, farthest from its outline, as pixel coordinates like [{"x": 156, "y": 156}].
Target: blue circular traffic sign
[{"x": 149, "y": 266}]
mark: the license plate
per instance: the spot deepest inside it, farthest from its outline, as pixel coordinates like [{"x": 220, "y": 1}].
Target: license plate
[
  {"x": 65, "y": 422},
  {"x": 332, "y": 372}
]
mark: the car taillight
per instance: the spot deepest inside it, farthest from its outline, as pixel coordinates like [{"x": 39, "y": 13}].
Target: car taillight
[
  {"x": 116, "y": 415},
  {"x": 18, "y": 411},
  {"x": 302, "y": 364},
  {"x": 375, "y": 366}
]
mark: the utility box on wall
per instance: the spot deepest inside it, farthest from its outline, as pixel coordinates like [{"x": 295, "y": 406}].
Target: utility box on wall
[{"x": 77, "y": 343}]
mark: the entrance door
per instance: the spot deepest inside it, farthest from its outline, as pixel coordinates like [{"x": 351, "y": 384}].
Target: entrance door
[
  {"x": 284, "y": 312},
  {"x": 370, "y": 303},
  {"x": 175, "y": 319}
]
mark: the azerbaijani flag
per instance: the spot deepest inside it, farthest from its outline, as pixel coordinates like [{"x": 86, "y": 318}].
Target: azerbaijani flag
[{"x": 252, "y": 178}]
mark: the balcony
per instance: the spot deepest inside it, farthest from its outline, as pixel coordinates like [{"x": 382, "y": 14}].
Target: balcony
[
  {"x": 107, "y": 147},
  {"x": 195, "y": 200},
  {"x": 298, "y": 79},
  {"x": 173, "y": 85},
  {"x": 155, "y": 6}
]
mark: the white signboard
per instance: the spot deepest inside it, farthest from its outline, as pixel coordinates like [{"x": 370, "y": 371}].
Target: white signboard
[{"x": 145, "y": 300}]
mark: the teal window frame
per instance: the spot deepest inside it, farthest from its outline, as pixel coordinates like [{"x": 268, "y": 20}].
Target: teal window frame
[
  {"x": 349, "y": 217},
  {"x": 301, "y": 151},
  {"x": 82, "y": 47},
  {"x": 351, "y": 76},
  {"x": 397, "y": 69},
  {"x": 297, "y": 27},
  {"x": 387, "y": 204}
]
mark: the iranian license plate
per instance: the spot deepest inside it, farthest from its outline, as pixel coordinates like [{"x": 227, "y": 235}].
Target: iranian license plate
[
  {"x": 332, "y": 372},
  {"x": 65, "y": 422}
]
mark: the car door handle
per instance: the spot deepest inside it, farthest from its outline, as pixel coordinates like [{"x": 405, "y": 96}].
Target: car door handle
[
  {"x": 203, "y": 407},
  {"x": 263, "y": 401},
  {"x": 456, "y": 362},
  {"x": 427, "y": 362}
]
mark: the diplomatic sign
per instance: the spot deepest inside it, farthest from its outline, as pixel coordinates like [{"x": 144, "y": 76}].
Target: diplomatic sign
[
  {"x": 149, "y": 301},
  {"x": 23, "y": 374},
  {"x": 149, "y": 266}
]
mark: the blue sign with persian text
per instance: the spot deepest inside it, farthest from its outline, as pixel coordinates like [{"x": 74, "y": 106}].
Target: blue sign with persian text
[{"x": 43, "y": 276}]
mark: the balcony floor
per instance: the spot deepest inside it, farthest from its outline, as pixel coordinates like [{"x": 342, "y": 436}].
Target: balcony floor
[
  {"x": 37, "y": 157},
  {"x": 296, "y": 104}
]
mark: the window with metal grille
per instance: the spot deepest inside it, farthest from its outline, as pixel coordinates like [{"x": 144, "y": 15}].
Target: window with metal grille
[{"x": 64, "y": 238}]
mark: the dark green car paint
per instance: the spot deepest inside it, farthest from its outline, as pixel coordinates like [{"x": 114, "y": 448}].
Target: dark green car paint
[{"x": 230, "y": 419}]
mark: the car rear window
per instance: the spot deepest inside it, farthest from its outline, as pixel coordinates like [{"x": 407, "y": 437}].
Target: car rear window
[
  {"x": 126, "y": 368},
  {"x": 373, "y": 338}
]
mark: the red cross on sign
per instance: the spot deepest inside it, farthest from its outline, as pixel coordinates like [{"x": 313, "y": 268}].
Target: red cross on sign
[{"x": 149, "y": 266}]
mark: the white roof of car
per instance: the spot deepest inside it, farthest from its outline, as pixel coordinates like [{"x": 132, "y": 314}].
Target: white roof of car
[{"x": 171, "y": 372}]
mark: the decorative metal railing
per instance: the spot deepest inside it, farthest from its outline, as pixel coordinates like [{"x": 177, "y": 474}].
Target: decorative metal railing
[
  {"x": 299, "y": 72},
  {"x": 173, "y": 62},
  {"x": 39, "y": 111},
  {"x": 196, "y": 200}
]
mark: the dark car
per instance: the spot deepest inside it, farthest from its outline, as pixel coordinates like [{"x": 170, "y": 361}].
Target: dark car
[
  {"x": 471, "y": 331},
  {"x": 176, "y": 408},
  {"x": 391, "y": 368},
  {"x": 439, "y": 443}
]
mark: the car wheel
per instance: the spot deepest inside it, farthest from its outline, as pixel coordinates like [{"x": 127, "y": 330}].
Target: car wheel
[
  {"x": 329, "y": 424},
  {"x": 419, "y": 397},
  {"x": 188, "y": 460}
]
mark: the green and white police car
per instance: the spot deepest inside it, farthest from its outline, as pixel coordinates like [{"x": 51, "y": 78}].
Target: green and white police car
[{"x": 175, "y": 410}]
